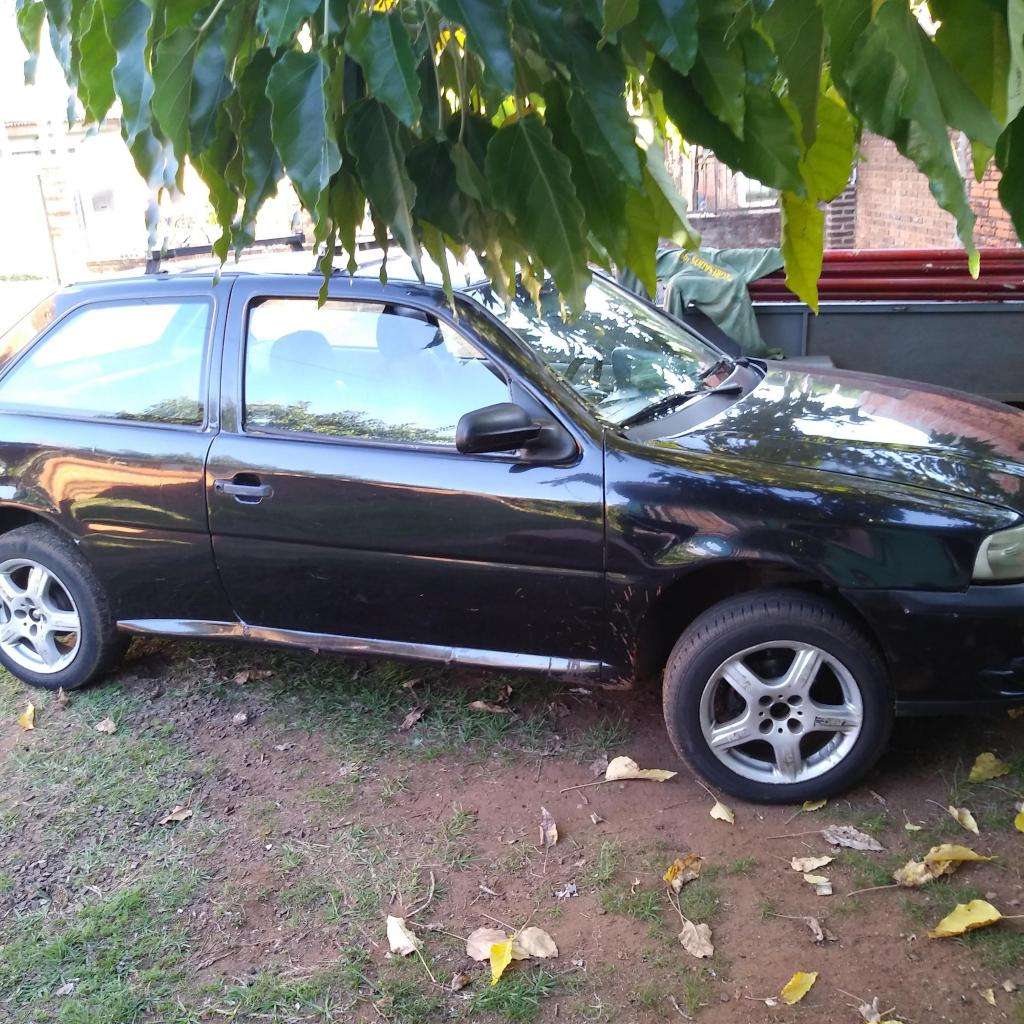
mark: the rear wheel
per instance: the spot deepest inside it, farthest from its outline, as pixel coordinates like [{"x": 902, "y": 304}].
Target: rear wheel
[
  {"x": 777, "y": 697},
  {"x": 55, "y": 625}
]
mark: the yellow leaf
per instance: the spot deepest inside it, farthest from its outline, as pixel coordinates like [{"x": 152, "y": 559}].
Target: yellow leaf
[
  {"x": 106, "y": 725},
  {"x": 1016, "y": 712},
  {"x": 821, "y": 883},
  {"x": 965, "y": 818},
  {"x": 722, "y": 813},
  {"x": 1018, "y": 822},
  {"x": 27, "y": 719},
  {"x": 682, "y": 870},
  {"x": 938, "y": 861},
  {"x": 621, "y": 768},
  {"x": 814, "y": 805},
  {"x": 987, "y": 767},
  {"x": 501, "y": 957},
  {"x": 798, "y": 986},
  {"x": 809, "y": 863},
  {"x": 179, "y": 813},
  {"x": 988, "y": 995},
  {"x": 534, "y": 942},
  {"x": 911, "y": 827},
  {"x": 803, "y": 235},
  {"x": 965, "y": 918},
  {"x": 952, "y": 853}
]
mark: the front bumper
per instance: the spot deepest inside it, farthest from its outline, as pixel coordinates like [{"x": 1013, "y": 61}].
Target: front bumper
[{"x": 949, "y": 651}]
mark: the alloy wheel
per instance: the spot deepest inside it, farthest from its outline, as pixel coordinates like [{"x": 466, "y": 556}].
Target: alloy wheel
[
  {"x": 40, "y": 628},
  {"x": 781, "y": 712}
]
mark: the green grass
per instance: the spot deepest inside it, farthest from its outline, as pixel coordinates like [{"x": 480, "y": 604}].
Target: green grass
[
  {"x": 606, "y": 736},
  {"x": 696, "y": 993},
  {"x": 643, "y": 904},
  {"x": 700, "y": 900},
  {"x": 606, "y": 865},
  {"x": 517, "y": 997}
]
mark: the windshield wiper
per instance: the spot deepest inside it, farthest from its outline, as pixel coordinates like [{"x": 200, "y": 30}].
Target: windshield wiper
[{"x": 669, "y": 402}]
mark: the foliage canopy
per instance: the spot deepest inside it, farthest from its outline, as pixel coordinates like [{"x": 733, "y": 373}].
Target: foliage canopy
[{"x": 530, "y": 132}]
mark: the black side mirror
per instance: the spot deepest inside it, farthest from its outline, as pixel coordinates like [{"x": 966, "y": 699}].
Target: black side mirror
[{"x": 504, "y": 427}]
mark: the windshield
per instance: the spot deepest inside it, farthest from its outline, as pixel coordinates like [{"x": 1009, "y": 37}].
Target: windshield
[{"x": 620, "y": 355}]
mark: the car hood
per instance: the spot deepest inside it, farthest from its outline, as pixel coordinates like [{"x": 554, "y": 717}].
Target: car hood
[{"x": 877, "y": 427}]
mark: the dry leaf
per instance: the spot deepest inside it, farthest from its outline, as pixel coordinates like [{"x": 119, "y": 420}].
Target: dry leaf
[
  {"x": 179, "y": 813},
  {"x": 1009, "y": 986},
  {"x": 813, "y": 805},
  {"x": 411, "y": 719},
  {"x": 965, "y": 918},
  {"x": 822, "y": 885},
  {"x": 847, "y": 835},
  {"x": 107, "y": 725},
  {"x": 1018, "y": 822},
  {"x": 478, "y": 945},
  {"x": 622, "y": 768},
  {"x": 548, "y": 829},
  {"x": 62, "y": 700},
  {"x": 596, "y": 818},
  {"x": 240, "y": 718},
  {"x": 988, "y": 995},
  {"x": 534, "y": 942},
  {"x": 809, "y": 863},
  {"x": 598, "y": 766},
  {"x": 952, "y": 853},
  {"x": 938, "y": 861},
  {"x": 682, "y": 870},
  {"x": 501, "y": 957},
  {"x": 987, "y": 767},
  {"x": 1016, "y": 712},
  {"x": 400, "y": 939},
  {"x": 798, "y": 986},
  {"x": 964, "y": 818},
  {"x": 491, "y": 707},
  {"x": 820, "y": 934},
  {"x": 722, "y": 813},
  {"x": 27, "y": 719},
  {"x": 911, "y": 827},
  {"x": 696, "y": 939},
  {"x": 460, "y": 979}
]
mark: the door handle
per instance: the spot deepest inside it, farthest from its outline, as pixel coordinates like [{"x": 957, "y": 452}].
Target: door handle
[{"x": 245, "y": 488}]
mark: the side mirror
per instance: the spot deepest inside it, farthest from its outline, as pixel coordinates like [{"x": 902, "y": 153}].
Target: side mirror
[{"x": 504, "y": 427}]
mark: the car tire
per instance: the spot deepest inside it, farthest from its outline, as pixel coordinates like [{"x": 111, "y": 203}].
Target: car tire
[
  {"x": 32, "y": 645},
  {"x": 762, "y": 733}
]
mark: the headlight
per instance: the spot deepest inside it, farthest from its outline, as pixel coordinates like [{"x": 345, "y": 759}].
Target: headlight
[{"x": 1001, "y": 556}]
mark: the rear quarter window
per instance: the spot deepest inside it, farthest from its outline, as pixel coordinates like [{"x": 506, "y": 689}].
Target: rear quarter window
[{"x": 26, "y": 330}]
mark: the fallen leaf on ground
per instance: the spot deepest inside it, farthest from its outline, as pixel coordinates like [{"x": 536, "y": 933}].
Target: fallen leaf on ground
[
  {"x": 599, "y": 765},
  {"x": 489, "y": 706},
  {"x": 964, "y": 817},
  {"x": 722, "y": 813},
  {"x": 988, "y": 995},
  {"x": 696, "y": 939},
  {"x": 411, "y": 684},
  {"x": 501, "y": 957},
  {"x": 1016, "y": 712},
  {"x": 809, "y": 863},
  {"x": 798, "y": 986},
  {"x": 987, "y": 767},
  {"x": 534, "y": 942},
  {"x": 240, "y": 718},
  {"x": 682, "y": 870},
  {"x": 596, "y": 818},
  {"x": 965, "y": 918},
  {"x": 411, "y": 719},
  {"x": 623, "y": 768},
  {"x": 813, "y": 805},
  {"x": 1018, "y": 822},
  {"x": 400, "y": 939},
  {"x": 820, "y": 934},
  {"x": 179, "y": 813},
  {"x": 938, "y": 861},
  {"x": 1009, "y": 986},
  {"x": 911, "y": 827},
  {"x": 62, "y": 700},
  {"x": 847, "y": 835},
  {"x": 479, "y": 942},
  {"x": 548, "y": 829},
  {"x": 27, "y": 719},
  {"x": 107, "y": 725},
  {"x": 822, "y": 885},
  {"x": 241, "y": 678},
  {"x": 460, "y": 979},
  {"x": 568, "y": 890}
]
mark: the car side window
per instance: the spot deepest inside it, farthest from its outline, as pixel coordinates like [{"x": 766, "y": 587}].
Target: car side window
[
  {"x": 365, "y": 370},
  {"x": 140, "y": 361}
]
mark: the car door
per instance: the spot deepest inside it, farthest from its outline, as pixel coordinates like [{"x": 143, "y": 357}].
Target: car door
[
  {"x": 339, "y": 504},
  {"x": 106, "y": 419}
]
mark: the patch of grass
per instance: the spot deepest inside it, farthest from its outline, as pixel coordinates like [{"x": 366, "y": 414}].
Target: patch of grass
[
  {"x": 999, "y": 948},
  {"x": 518, "y": 997},
  {"x": 649, "y": 994},
  {"x": 868, "y": 869},
  {"x": 603, "y": 737},
  {"x": 291, "y": 858},
  {"x": 741, "y": 866},
  {"x": 696, "y": 993},
  {"x": 643, "y": 904},
  {"x": 607, "y": 864},
  {"x": 391, "y": 787},
  {"x": 871, "y": 821},
  {"x": 335, "y": 797},
  {"x": 452, "y": 840},
  {"x": 700, "y": 900},
  {"x": 767, "y": 909},
  {"x": 270, "y": 996}
]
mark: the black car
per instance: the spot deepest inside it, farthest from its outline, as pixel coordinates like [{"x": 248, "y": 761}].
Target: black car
[{"x": 803, "y": 555}]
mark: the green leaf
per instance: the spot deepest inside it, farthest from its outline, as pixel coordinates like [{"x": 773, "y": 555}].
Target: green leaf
[
  {"x": 1015, "y": 31},
  {"x": 803, "y": 239},
  {"x": 439, "y": 200},
  {"x": 59, "y": 22},
  {"x": 827, "y": 165},
  {"x": 214, "y": 167},
  {"x": 468, "y": 176},
  {"x": 769, "y": 151},
  {"x": 531, "y": 181},
  {"x": 618, "y": 14},
  {"x": 128, "y": 23},
  {"x": 373, "y": 136},
  {"x": 605, "y": 130},
  {"x": 1010, "y": 161},
  {"x": 669, "y": 207},
  {"x": 487, "y": 34},
  {"x": 433, "y": 242},
  {"x": 797, "y": 32},
  {"x": 96, "y": 65},
  {"x": 719, "y": 72},
  {"x": 642, "y": 239},
  {"x": 261, "y": 166},
  {"x": 670, "y": 26},
  {"x": 348, "y": 211},
  {"x": 281, "y": 19},
  {"x": 380, "y": 44},
  {"x": 299, "y": 123},
  {"x": 29, "y": 16}
]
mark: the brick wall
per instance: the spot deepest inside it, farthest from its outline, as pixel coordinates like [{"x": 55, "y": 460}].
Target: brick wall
[{"x": 895, "y": 208}]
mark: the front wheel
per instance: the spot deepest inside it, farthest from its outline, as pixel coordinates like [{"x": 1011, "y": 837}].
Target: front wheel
[{"x": 777, "y": 698}]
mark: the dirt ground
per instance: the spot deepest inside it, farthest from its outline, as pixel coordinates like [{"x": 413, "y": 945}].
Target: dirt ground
[{"x": 314, "y": 814}]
